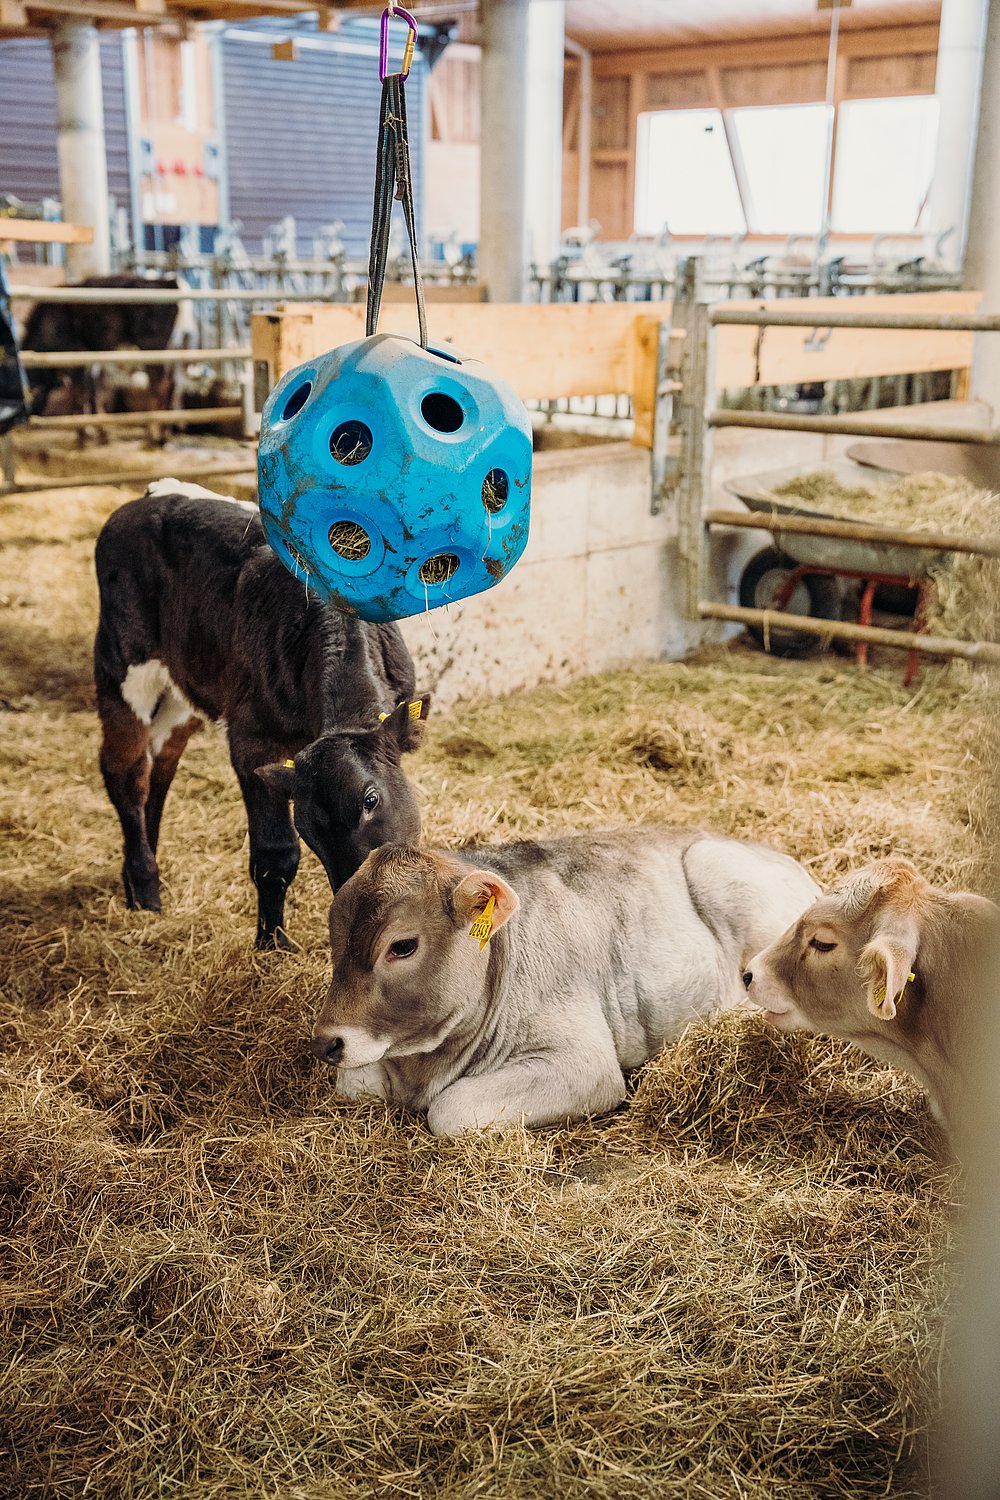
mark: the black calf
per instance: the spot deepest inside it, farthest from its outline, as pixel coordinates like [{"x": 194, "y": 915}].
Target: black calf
[
  {"x": 58, "y": 328},
  {"x": 198, "y": 620}
]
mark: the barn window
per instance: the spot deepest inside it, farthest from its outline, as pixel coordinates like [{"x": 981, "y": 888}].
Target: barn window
[
  {"x": 684, "y": 175},
  {"x": 784, "y": 150},
  {"x": 885, "y": 157}
]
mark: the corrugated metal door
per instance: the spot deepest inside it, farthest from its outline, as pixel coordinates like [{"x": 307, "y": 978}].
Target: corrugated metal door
[
  {"x": 29, "y": 162},
  {"x": 301, "y": 135}
]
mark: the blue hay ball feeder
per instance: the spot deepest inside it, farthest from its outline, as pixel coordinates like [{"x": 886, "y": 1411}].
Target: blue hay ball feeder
[{"x": 395, "y": 478}]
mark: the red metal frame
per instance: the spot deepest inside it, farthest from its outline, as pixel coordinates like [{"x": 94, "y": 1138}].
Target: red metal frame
[{"x": 871, "y": 582}]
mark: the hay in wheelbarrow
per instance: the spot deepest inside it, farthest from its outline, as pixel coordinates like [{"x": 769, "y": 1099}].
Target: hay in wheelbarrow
[{"x": 966, "y": 597}]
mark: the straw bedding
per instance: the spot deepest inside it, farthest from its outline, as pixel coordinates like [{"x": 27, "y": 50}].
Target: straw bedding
[
  {"x": 220, "y": 1281},
  {"x": 966, "y": 599}
]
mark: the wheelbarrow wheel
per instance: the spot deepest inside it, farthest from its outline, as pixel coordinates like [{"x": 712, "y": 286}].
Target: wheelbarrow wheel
[{"x": 764, "y": 576}]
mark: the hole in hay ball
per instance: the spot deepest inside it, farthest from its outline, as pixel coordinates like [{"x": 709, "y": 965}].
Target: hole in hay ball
[
  {"x": 296, "y": 400},
  {"x": 442, "y": 412},
  {"x": 349, "y": 540},
  {"x": 439, "y": 568},
  {"x": 351, "y": 442},
  {"x": 496, "y": 488}
]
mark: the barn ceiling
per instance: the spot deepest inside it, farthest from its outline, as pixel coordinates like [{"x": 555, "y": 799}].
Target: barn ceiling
[
  {"x": 616, "y": 25},
  {"x": 601, "y": 25}
]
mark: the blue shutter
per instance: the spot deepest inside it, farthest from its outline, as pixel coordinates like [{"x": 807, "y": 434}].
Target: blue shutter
[
  {"x": 29, "y": 161},
  {"x": 301, "y": 136}
]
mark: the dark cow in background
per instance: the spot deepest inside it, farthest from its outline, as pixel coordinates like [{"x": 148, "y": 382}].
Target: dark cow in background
[
  {"x": 61, "y": 328},
  {"x": 199, "y": 619}
]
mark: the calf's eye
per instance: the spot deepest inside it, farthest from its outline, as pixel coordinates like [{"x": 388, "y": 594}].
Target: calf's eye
[
  {"x": 821, "y": 947},
  {"x": 404, "y": 948},
  {"x": 371, "y": 800}
]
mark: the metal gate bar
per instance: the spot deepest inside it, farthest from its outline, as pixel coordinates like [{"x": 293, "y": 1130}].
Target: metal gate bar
[
  {"x": 80, "y": 359},
  {"x": 193, "y": 417},
  {"x": 125, "y": 479},
  {"x": 854, "y": 426},
  {"x": 842, "y": 630},
  {"x": 855, "y": 531},
  {"x": 918, "y": 322}
]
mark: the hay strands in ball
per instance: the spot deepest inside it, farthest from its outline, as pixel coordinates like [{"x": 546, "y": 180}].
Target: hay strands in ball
[{"x": 395, "y": 474}]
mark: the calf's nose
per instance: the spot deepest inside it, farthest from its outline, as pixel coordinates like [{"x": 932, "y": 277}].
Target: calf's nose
[
  {"x": 327, "y": 1050},
  {"x": 747, "y": 978}
]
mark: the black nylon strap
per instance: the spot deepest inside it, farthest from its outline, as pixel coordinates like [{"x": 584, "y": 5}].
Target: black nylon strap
[{"x": 393, "y": 179}]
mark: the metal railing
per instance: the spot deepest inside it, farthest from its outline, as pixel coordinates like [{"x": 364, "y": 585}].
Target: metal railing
[{"x": 688, "y": 477}]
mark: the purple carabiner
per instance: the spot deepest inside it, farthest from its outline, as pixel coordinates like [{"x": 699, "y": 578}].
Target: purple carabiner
[{"x": 383, "y": 43}]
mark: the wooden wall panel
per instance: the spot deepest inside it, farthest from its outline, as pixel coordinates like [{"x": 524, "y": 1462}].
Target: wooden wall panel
[
  {"x": 453, "y": 91},
  {"x": 676, "y": 91},
  {"x": 609, "y": 199},
  {"x": 544, "y": 350},
  {"x": 791, "y": 83},
  {"x": 611, "y": 114},
  {"x": 570, "y": 189},
  {"x": 882, "y": 77}
]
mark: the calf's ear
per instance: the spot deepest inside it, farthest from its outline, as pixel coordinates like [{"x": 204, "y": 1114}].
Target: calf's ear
[
  {"x": 472, "y": 895},
  {"x": 405, "y": 725},
  {"x": 280, "y": 776},
  {"x": 886, "y": 964}
]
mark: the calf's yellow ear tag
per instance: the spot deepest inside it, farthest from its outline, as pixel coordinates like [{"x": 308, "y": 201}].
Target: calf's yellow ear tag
[
  {"x": 413, "y": 709},
  {"x": 878, "y": 993},
  {"x": 289, "y": 765},
  {"x": 482, "y": 927}
]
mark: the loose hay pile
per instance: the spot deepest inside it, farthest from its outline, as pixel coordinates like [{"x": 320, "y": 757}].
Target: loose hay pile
[
  {"x": 219, "y": 1281},
  {"x": 966, "y": 599}
]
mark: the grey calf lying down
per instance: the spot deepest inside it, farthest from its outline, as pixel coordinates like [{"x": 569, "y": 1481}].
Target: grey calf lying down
[
  {"x": 585, "y": 956},
  {"x": 886, "y": 961}
]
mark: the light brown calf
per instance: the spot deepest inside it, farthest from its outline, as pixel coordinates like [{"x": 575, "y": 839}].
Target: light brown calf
[{"x": 890, "y": 963}]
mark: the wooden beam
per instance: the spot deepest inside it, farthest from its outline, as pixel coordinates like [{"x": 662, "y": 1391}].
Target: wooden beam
[
  {"x": 97, "y": 10},
  {"x": 45, "y": 232},
  {"x": 13, "y": 13},
  {"x": 769, "y": 52},
  {"x": 226, "y": 9}
]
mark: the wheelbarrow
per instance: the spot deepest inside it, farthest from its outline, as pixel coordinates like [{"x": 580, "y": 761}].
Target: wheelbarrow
[{"x": 805, "y": 574}]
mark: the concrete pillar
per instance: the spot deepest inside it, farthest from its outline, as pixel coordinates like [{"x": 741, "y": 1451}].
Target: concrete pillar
[
  {"x": 982, "y": 256},
  {"x": 546, "y": 48},
  {"x": 83, "y": 167},
  {"x": 957, "y": 85},
  {"x": 503, "y": 148}
]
